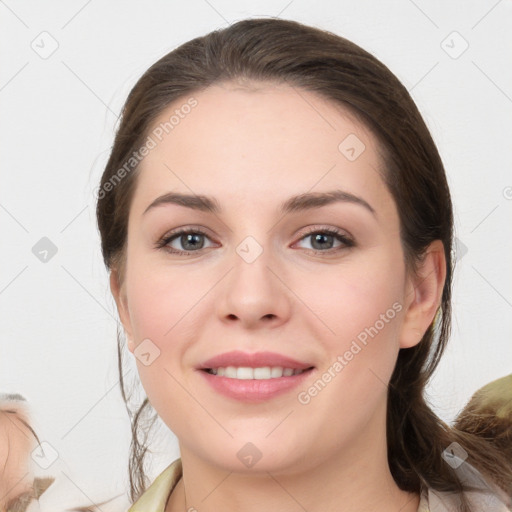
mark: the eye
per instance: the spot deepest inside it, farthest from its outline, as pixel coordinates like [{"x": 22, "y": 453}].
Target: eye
[
  {"x": 322, "y": 240},
  {"x": 190, "y": 239}
]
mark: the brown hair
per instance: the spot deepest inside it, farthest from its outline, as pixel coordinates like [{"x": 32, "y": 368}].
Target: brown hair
[{"x": 287, "y": 52}]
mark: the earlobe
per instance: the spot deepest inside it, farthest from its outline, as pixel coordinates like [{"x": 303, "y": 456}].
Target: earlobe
[
  {"x": 122, "y": 307},
  {"x": 424, "y": 295}
]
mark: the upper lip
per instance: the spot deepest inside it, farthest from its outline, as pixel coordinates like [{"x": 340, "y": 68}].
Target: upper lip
[{"x": 254, "y": 360}]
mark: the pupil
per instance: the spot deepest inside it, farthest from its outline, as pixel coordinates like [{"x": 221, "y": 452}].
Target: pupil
[
  {"x": 319, "y": 237},
  {"x": 189, "y": 238}
]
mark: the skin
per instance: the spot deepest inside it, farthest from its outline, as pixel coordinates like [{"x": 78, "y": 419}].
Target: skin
[
  {"x": 252, "y": 146},
  {"x": 16, "y": 445}
]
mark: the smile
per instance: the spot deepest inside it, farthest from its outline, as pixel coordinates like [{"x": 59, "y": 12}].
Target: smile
[{"x": 248, "y": 373}]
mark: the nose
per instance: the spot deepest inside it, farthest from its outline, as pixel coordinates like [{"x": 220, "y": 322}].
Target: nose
[{"x": 254, "y": 292}]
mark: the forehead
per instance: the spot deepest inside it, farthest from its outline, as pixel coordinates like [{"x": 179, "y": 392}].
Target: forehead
[{"x": 260, "y": 141}]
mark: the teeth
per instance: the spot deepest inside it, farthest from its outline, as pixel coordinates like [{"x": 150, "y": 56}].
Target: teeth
[{"x": 246, "y": 373}]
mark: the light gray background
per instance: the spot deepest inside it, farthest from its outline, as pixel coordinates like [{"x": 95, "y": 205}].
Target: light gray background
[{"x": 58, "y": 322}]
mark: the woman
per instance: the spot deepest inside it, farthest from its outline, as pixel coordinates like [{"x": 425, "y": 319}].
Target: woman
[{"x": 278, "y": 227}]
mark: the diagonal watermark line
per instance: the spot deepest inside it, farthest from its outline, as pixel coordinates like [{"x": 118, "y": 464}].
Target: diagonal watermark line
[
  {"x": 503, "y": 297},
  {"x": 90, "y": 89},
  {"x": 15, "y": 423},
  {"x": 485, "y": 15},
  {"x": 13, "y": 279},
  {"x": 280, "y": 423},
  {"x": 76, "y": 14},
  {"x": 13, "y": 217},
  {"x": 286, "y": 491},
  {"x": 424, "y": 14},
  {"x": 384, "y": 383},
  {"x": 13, "y": 13},
  {"x": 492, "y": 81},
  {"x": 407, "y": 503},
  {"x": 14, "y": 76},
  {"x": 199, "y": 403},
  {"x": 73, "y": 219},
  {"x": 217, "y": 11},
  {"x": 301, "y": 300},
  {"x": 318, "y": 181},
  {"x": 424, "y": 76},
  {"x": 284, "y": 9},
  {"x": 218, "y": 218},
  {"x": 101, "y": 398},
  {"x": 216, "y": 487},
  {"x": 96, "y": 505},
  {"x": 488, "y": 215},
  {"x": 13, "y": 487},
  {"x": 170, "y": 329},
  {"x": 311, "y": 105},
  {"x": 89, "y": 293}
]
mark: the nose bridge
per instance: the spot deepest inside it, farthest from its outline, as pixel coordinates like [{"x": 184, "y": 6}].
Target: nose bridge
[
  {"x": 252, "y": 262},
  {"x": 250, "y": 250},
  {"x": 252, "y": 291}
]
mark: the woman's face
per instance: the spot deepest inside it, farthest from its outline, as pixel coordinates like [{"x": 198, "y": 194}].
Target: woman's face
[{"x": 263, "y": 273}]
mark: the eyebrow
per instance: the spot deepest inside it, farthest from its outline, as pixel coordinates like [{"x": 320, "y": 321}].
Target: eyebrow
[{"x": 301, "y": 202}]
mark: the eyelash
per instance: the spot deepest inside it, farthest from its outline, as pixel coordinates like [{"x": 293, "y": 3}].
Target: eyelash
[{"x": 342, "y": 237}]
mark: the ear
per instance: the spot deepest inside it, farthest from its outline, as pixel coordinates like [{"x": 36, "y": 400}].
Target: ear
[
  {"x": 423, "y": 295},
  {"x": 119, "y": 294}
]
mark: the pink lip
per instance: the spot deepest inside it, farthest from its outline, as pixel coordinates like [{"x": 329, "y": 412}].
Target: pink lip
[
  {"x": 256, "y": 360},
  {"x": 254, "y": 390}
]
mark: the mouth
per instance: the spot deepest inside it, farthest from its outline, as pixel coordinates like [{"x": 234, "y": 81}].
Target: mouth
[
  {"x": 259, "y": 373},
  {"x": 255, "y": 385},
  {"x": 253, "y": 377}
]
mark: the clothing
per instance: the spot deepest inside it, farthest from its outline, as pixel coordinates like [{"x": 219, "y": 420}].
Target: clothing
[{"x": 156, "y": 495}]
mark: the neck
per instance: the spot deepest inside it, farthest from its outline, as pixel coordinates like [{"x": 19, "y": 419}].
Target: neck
[{"x": 354, "y": 478}]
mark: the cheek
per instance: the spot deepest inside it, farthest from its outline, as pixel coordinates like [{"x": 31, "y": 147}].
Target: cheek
[
  {"x": 363, "y": 311},
  {"x": 158, "y": 307},
  {"x": 159, "y": 299},
  {"x": 360, "y": 312},
  {"x": 164, "y": 308},
  {"x": 360, "y": 300}
]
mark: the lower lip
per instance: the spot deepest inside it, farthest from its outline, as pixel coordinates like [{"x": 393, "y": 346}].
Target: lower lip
[{"x": 254, "y": 390}]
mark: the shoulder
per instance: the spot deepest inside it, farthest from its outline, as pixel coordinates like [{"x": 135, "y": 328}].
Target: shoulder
[
  {"x": 486, "y": 496},
  {"x": 436, "y": 501},
  {"x": 155, "y": 497},
  {"x": 490, "y": 499}
]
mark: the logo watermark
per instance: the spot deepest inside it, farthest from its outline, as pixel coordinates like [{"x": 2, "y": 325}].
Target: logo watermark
[
  {"x": 153, "y": 139},
  {"x": 304, "y": 397}
]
